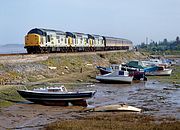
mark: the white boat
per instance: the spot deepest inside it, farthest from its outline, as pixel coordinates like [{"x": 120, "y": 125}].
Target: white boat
[
  {"x": 155, "y": 62},
  {"x": 115, "y": 77},
  {"x": 162, "y": 71},
  {"x": 137, "y": 74}
]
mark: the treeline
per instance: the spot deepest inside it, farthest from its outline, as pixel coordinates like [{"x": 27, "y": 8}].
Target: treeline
[{"x": 162, "y": 46}]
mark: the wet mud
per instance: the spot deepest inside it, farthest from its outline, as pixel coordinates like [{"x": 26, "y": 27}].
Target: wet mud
[{"x": 154, "y": 97}]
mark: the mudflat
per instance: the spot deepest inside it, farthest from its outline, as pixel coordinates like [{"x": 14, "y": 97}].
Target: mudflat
[{"x": 158, "y": 97}]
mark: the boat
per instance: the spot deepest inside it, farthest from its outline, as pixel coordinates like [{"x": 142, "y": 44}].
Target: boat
[
  {"x": 156, "y": 62},
  {"x": 134, "y": 64},
  {"x": 115, "y": 77},
  {"x": 140, "y": 65},
  {"x": 104, "y": 70},
  {"x": 137, "y": 74},
  {"x": 115, "y": 107},
  {"x": 161, "y": 71},
  {"x": 56, "y": 96}
]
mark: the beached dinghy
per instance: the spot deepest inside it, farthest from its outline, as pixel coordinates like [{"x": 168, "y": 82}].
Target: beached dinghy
[
  {"x": 56, "y": 96},
  {"x": 117, "y": 107}
]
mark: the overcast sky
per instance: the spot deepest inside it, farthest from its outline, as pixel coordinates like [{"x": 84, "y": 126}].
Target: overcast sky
[{"x": 131, "y": 19}]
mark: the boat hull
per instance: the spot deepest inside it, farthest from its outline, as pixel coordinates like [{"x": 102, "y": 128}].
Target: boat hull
[
  {"x": 166, "y": 72},
  {"x": 61, "y": 99},
  {"x": 118, "y": 79}
]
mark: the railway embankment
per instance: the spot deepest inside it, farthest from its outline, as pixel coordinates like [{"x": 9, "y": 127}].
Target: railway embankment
[{"x": 71, "y": 67}]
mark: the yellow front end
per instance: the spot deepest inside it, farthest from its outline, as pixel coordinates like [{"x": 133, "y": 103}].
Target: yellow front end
[
  {"x": 32, "y": 40},
  {"x": 70, "y": 41},
  {"x": 90, "y": 42}
]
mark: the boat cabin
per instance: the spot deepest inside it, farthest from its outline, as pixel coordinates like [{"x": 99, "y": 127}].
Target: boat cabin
[
  {"x": 52, "y": 89},
  {"x": 116, "y": 67},
  {"x": 57, "y": 89}
]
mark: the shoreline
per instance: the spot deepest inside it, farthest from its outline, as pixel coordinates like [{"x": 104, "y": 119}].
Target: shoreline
[{"x": 21, "y": 113}]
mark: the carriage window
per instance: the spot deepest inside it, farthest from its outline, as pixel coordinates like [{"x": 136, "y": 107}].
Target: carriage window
[
  {"x": 58, "y": 41},
  {"x": 57, "y": 37},
  {"x": 61, "y": 39}
]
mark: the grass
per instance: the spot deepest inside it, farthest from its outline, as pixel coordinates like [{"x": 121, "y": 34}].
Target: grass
[
  {"x": 174, "y": 52},
  {"x": 65, "y": 65},
  {"x": 115, "y": 121},
  {"x": 167, "y": 52},
  {"x": 9, "y": 95}
]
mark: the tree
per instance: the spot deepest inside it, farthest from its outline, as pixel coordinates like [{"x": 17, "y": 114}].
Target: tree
[
  {"x": 177, "y": 43},
  {"x": 177, "y": 40},
  {"x": 165, "y": 41}
]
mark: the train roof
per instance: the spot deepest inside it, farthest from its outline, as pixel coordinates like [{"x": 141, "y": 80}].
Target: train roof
[
  {"x": 97, "y": 36},
  {"x": 70, "y": 34},
  {"x": 42, "y": 31},
  {"x": 90, "y": 36},
  {"x": 114, "y": 38},
  {"x": 83, "y": 35},
  {"x": 79, "y": 34}
]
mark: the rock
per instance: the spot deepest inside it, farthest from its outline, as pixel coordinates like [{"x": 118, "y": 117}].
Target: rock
[
  {"x": 80, "y": 80},
  {"x": 52, "y": 67},
  {"x": 66, "y": 68}
]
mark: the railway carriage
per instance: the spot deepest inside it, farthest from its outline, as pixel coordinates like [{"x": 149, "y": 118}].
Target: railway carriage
[
  {"x": 40, "y": 40},
  {"x": 117, "y": 43},
  {"x": 127, "y": 45}
]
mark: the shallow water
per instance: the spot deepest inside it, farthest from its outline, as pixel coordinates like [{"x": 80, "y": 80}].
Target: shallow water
[{"x": 155, "y": 98}]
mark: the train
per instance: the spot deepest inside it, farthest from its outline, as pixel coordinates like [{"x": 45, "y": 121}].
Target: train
[{"x": 39, "y": 40}]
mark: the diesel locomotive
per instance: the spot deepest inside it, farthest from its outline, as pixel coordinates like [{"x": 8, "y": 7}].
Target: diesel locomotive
[{"x": 40, "y": 40}]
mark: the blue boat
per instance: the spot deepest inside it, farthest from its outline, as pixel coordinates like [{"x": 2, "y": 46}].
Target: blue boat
[
  {"x": 139, "y": 65},
  {"x": 56, "y": 96}
]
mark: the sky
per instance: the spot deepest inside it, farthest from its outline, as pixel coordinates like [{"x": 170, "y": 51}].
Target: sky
[{"x": 136, "y": 20}]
